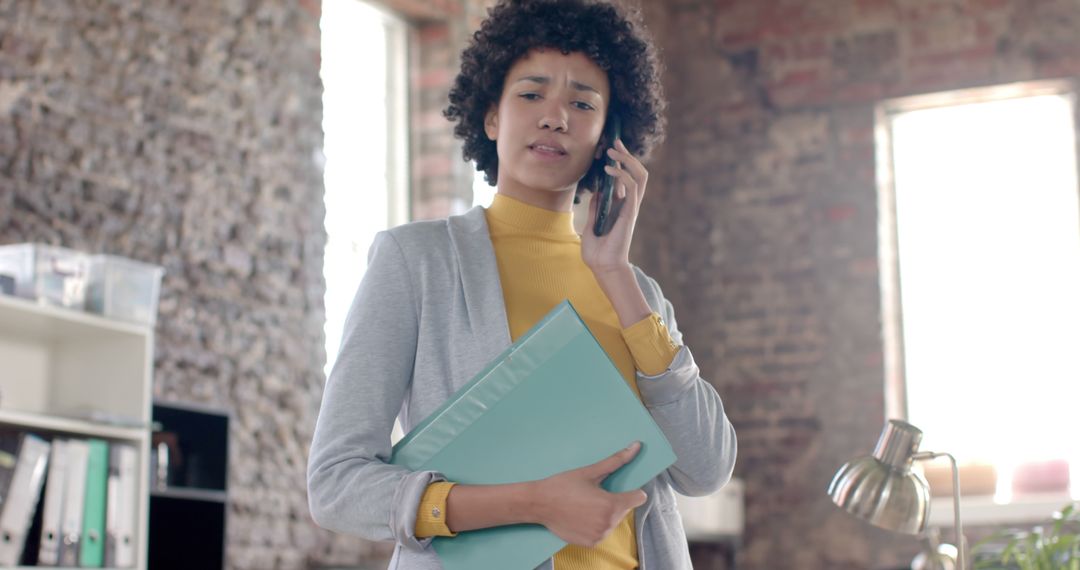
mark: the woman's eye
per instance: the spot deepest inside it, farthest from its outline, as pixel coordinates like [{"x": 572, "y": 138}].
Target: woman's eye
[
  {"x": 583, "y": 105},
  {"x": 530, "y": 96}
]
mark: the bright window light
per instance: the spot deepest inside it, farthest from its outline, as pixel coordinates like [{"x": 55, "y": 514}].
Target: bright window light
[
  {"x": 988, "y": 241},
  {"x": 362, "y": 175},
  {"x": 482, "y": 193}
]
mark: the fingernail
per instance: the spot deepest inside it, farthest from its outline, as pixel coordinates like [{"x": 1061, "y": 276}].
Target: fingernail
[{"x": 634, "y": 445}]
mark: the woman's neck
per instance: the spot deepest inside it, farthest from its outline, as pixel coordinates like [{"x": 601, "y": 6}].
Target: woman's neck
[{"x": 554, "y": 200}]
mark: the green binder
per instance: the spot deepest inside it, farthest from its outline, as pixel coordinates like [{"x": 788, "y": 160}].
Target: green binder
[
  {"x": 92, "y": 547},
  {"x": 553, "y": 401}
]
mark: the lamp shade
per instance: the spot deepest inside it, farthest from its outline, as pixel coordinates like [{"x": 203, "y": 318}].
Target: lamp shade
[{"x": 882, "y": 489}]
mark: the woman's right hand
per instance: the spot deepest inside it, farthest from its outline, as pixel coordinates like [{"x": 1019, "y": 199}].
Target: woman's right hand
[{"x": 572, "y": 504}]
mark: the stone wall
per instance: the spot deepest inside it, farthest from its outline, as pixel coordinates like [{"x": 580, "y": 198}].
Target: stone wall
[{"x": 187, "y": 134}]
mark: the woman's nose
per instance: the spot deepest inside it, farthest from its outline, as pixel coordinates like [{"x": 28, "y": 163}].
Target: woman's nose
[{"x": 554, "y": 118}]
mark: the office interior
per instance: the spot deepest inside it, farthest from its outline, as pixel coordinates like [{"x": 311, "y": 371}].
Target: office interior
[{"x": 863, "y": 210}]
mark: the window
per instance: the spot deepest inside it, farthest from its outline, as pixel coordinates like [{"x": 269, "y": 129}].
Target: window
[
  {"x": 980, "y": 249},
  {"x": 482, "y": 193},
  {"x": 364, "y": 125}
]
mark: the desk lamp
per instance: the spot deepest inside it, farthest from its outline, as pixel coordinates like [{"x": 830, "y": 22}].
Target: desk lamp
[{"x": 883, "y": 490}]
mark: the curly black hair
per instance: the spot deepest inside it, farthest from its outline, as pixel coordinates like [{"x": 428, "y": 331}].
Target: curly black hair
[{"x": 612, "y": 37}]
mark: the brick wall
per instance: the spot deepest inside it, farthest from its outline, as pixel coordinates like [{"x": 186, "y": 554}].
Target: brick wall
[
  {"x": 764, "y": 230},
  {"x": 761, "y": 224},
  {"x": 441, "y": 181}
]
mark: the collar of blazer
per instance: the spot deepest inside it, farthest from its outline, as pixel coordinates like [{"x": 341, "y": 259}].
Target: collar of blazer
[{"x": 479, "y": 275}]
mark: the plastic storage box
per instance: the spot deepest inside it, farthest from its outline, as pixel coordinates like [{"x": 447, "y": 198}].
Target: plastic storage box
[
  {"x": 124, "y": 289},
  {"x": 47, "y": 274}
]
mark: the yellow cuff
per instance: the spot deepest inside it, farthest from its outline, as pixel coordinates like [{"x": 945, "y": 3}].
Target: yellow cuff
[
  {"x": 650, "y": 344},
  {"x": 431, "y": 516}
]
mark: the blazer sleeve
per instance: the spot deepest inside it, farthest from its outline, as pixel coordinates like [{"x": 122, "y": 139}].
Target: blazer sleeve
[
  {"x": 352, "y": 488},
  {"x": 689, "y": 412}
]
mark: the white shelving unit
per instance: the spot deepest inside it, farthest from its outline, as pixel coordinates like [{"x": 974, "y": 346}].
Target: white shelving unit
[{"x": 69, "y": 373}]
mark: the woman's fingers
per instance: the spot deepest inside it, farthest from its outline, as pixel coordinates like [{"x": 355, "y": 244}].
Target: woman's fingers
[
  {"x": 630, "y": 164},
  {"x": 601, "y": 469},
  {"x": 628, "y": 161},
  {"x": 626, "y": 180},
  {"x": 632, "y": 499}
]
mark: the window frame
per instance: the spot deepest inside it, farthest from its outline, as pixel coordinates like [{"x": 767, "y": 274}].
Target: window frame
[{"x": 976, "y": 510}]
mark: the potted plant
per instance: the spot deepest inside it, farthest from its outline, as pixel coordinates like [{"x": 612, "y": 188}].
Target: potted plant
[{"x": 1053, "y": 547}]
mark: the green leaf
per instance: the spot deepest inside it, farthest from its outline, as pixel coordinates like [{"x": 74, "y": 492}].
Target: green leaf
[{"x": 1053, "y": 547}]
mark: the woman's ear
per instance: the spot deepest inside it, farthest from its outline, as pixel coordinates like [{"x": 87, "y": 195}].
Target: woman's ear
[{"x": 491, "y": 123}]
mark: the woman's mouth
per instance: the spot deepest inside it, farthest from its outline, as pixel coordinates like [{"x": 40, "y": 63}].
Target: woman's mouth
[{"x": 547, "y": 152}]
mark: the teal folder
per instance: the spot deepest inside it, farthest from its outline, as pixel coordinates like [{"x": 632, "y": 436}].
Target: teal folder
[
  {"x": 92, "y": 548},
  {"x": 553, "y": 401}
]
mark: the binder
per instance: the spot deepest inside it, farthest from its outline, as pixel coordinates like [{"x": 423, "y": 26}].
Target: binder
[
  {"x": 112, "y": 506},
  {"x": 49, "y": 549},
  {"x": 92, "y": 548},
  {"x": 74, "y": 494},
  {"x": 553, "y": 401},
  {"x": 122, "y": 507},
  {"x": 21, "y": 497},
  {"x": 9, "y": 453}
]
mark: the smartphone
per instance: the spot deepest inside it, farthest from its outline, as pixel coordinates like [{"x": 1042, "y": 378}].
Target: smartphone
[{"x": 607, "y": 211}]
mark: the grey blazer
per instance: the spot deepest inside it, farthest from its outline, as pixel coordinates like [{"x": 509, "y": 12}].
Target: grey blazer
[{"x": 428, "y": 315}]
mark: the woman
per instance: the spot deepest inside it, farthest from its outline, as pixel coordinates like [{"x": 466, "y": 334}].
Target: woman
[{"x": 442, "y": 298}]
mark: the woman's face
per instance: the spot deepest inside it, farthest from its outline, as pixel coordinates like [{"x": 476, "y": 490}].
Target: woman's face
[{"x": 548, "y": 123}]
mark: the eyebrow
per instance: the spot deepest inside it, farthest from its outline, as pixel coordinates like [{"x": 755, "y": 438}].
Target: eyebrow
[{"x": 545, "y": 80}]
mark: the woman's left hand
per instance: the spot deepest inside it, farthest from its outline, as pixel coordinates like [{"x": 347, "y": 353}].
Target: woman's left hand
[{"x": 611, "y": 252}]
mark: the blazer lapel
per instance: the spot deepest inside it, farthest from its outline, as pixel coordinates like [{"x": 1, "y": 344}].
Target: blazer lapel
[{"x": 479, "y": 274}]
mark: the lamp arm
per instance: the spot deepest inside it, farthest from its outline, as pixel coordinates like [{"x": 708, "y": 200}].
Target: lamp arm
[{"x": 961, "y": 559}]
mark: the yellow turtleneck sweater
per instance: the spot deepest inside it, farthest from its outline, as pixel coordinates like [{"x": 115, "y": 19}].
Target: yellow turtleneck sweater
[{"x": 539, "y": 258}]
